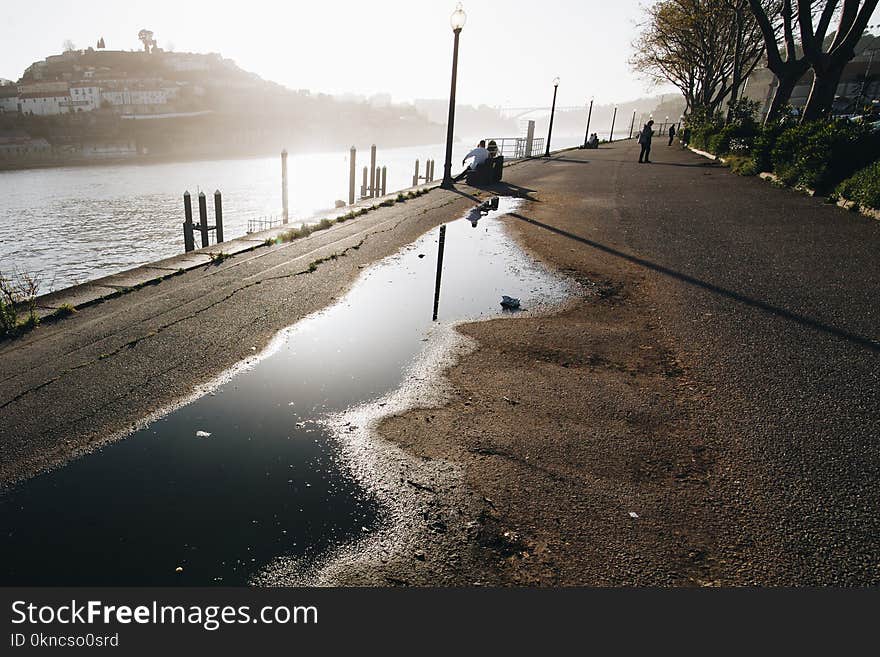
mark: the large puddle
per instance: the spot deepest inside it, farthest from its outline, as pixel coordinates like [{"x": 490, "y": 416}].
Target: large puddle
[{"x": 220, "y": 487}]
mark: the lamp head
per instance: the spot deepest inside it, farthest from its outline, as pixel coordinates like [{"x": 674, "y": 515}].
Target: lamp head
[
  {"x": 556, "y": 82},
  {"x": 458, "y": 18}
]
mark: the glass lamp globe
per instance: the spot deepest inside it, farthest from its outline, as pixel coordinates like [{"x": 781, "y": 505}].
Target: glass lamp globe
[
  {"x": 458, "y": 18},
  {"x": 556, "y": 82}
]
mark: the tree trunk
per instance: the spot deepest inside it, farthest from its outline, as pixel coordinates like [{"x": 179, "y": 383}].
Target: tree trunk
[
  {"x": 783, "y": 93},
  {"x": 822, "y": 94}
]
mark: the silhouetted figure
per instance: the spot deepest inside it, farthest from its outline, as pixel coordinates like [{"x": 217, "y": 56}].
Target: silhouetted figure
[
  {"x": 685, "y": 137},
  {"x": 594, "y": 141},
  {"x": 477, "y": 157},
  {"x": 645, "y": 142},
  {"x": 671, "y": 134}
]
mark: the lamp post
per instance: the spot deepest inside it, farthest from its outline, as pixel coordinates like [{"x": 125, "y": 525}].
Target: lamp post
[
  {"x": 552, "y": 110},
  {"x": 613, "y": 121},
  {"x": 457, "y": 21},
  {"x": 589, "y": 116}
]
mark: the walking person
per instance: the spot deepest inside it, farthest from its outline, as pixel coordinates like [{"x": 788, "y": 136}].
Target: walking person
[
  {"x": 645, "y": 141},
  {"x": 671, "y": 133}
]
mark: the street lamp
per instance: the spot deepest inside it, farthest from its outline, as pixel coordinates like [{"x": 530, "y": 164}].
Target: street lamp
[
  {"x": 457, "y": 21},
  {"x": 552, "y": 111},
  {"x": 589, "y": 116}
]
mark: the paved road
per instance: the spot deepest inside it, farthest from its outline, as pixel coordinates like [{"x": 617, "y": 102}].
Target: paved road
[
  {"x": 768, "y": 297},
  {"x": 771, "y": 298}
]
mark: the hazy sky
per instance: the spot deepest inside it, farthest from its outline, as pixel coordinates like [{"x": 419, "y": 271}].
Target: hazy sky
[{"x": 510, "y": 49}]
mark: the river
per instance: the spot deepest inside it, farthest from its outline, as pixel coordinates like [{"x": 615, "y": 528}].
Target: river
[{"x": 71, "y": 225}]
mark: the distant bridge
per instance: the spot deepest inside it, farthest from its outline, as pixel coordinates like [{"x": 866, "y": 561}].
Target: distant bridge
[{"x": 520, "y": 112}]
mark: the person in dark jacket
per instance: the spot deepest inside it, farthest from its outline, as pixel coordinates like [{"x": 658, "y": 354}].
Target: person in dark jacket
[
  {"x": 671, "y": 134},
  {"x": 645, "y": 141}
]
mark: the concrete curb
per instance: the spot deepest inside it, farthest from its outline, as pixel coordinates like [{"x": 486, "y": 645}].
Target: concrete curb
[{"x": 708, "y": 156}]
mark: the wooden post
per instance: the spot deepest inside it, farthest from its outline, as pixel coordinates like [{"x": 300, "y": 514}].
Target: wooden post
[
  {"x": 351, "y": 168},
  {"x": 364, "y": 185},
  {"x": 632, "y": 125},
  {"x": 373, "y": 170},
  {"x": 431, "y": 174},
  {"x": 188, "y": 241},
  {"x": 384, "y": 179},
  {"x": 439, "y": 270},
  {"x": 416, "y": 174},
  {"x": 378, "y": 181},
  {"x": 218, "y": 215},
  {"x": 613, "y": 119},
  {"x": 530, "y": 138},
  {"x": 203, "y": 218},
  {"x": 284, "y": 185}
]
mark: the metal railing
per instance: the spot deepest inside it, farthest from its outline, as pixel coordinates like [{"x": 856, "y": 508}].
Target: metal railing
[
  {"x": 515, "y": 148},
  {"x": 264, "y": 223}
]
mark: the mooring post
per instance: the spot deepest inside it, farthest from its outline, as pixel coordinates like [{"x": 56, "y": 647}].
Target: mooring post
[
  {"x": 416, "y": 174},
  {"x": 351, "y": 169},
  {"x": 188, "y": 241},
  {"x": 364, "y": 185},
  {"x": 431, "y": 179},
  {"x": 384, "y": 179},
  {"x": 373, "y": 170},
  {"x": 203, "y": 218},
  {"x": 218, "y": 215},
  {"x": 378, "y": 180},
  {"x": 439, "y": 270},
  {"x": 284, "y": 185}
]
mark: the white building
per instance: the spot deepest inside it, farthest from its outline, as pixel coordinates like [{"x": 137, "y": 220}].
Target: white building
[
  {"x": 44, "y": 103},
  {"x": 84, "y": 97}
]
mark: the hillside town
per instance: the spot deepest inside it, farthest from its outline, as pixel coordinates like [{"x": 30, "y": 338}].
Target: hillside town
[{"x": 100, "y": 103}]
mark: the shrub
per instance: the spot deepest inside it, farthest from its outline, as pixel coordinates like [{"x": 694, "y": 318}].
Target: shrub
[
  {"x": 863, "y": 187},
  {"x": 744, "y": 165},
  {"x": 821, "y": 154},
  {"x": 18, "y": 292}
]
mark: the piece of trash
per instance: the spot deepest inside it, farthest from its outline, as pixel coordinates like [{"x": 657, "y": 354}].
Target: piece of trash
[
  {"x": 509, "y": 302},
  {"x": 512, "y": 402},
  {"x": 633, "y": 514},
  {"x": 202, "y": 434}
]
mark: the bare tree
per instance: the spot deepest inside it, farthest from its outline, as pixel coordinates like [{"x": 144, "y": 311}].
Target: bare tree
[
  {"x": 68, "y": 45},
  {"x": 706, "y": 48},
  {"x": 795, "y": 64},
  {"x": 828, "y": 64}
]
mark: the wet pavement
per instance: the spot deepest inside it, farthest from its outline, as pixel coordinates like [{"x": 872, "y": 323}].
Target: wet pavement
[{"x": 218, "y": 488}]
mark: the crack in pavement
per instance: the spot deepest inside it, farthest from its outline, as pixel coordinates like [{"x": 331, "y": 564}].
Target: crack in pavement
[
  {"x": 238, "y": 262},
  {"x": 134, "y": 342}
]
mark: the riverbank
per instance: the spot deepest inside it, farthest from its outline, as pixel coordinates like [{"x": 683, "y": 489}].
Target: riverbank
[{"x": 700, "y": 413}]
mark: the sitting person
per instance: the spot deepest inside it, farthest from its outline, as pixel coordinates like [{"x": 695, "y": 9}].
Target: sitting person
[
  {"x": 496, "y": 161},
  {"x": 594, "y": 141},
  {"x": 477, "y": 156}
]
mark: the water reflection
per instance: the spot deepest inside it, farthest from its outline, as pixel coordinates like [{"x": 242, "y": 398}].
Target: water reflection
[{"x": 171, "y": 505}]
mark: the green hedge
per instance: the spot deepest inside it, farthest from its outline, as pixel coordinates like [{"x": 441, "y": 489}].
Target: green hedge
[
  {"x": 863, "y": 187},
  {"x": 818, "y": 155},
  {"x": 821, "y": 154}
]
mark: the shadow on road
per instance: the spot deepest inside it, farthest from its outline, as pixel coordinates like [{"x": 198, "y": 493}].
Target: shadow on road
[
  {"x": 565, "y": 159},
  {"x": 809, "y": 322},
  {"x": 502, "y": 189},
  {"x": 698, "y": 165}
]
